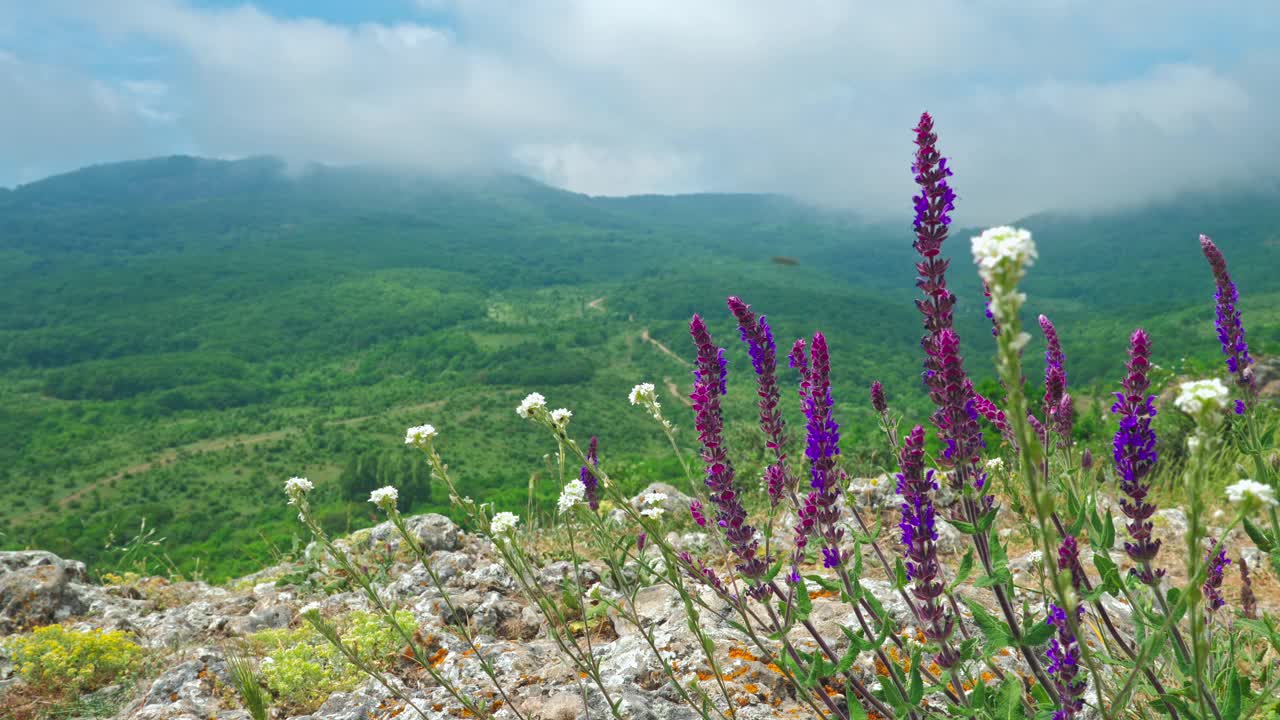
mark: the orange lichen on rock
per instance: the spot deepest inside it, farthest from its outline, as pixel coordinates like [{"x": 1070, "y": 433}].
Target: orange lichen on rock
[{"x": 438, "y": 657}]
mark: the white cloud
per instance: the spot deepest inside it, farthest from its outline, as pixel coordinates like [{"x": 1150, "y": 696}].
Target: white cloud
[{"x": 1045, "y": 104}]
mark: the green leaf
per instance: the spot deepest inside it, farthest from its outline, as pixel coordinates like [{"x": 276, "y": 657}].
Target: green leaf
[
  {"x": 995, "y": 631},
  {"x": 962, "y": 572},
  {"x": 1038, "y": 634},
  {"x": 900, "y": 571},
  {"x": 854, "y": 703},
  {"x": 825, "y": 583},
  {"x": 1009, "y": 704},
  {"x": 987, "y": 520},
  {"x": 915, "y": 691},
  {"x": 1108, "y": 571},
  {"x": 1259, "y": 536},
  {"x": 804, "y": 606},
  {"x": 773, "y": 571},
  {"x": 1231, "y": 709},
  {"x": 964, "y": 527}
]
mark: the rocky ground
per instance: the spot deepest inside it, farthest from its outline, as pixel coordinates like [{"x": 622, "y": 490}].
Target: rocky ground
[{"x": 186, "y": 628}]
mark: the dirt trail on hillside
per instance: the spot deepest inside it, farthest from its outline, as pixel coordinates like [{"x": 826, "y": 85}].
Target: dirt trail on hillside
[
  {"x": 597, "y": 304},
  {"x": 216, "y": 444},
  {"x": 644, "y": 335}
]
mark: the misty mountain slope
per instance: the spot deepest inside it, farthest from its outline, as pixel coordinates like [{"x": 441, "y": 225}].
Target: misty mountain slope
[{"x": 178, "y": 335}]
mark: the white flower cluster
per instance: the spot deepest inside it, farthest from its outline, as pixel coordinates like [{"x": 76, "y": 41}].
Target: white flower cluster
[
  {"x": 574, "y": 493},
  {"x": 1251, "y": 491},
  {"x": 296, "y": 487},
  {"x": 503, "y": 522},
  {"x": 419, "y": 435},
  {"x": 1001, "y": 249},
  {"x": 643, "y": 394},
  {"x": 530, "y": 406},
  {"x": 385, "y": 497},
  {"x": 560, "y": 417},
  {"x": 646, "y": 396},
  {"x": 652, "y": 504},
  {"x": 1203, "y": 400},
  {"x": 995, "y": 464}
]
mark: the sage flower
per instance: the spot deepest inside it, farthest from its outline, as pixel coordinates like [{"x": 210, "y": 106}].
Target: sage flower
[
  {"x": 756, "y": 333},
  {"x": 1064, "y": 664},
  {"x": 1230, "y": 329},
  {"x": 1134, "y": 452},
  {"x": 709, "y": 384},
  {"x": 1212, "y": 587},
  {"x": 878, "y": 403},
  {"x": 823, "y": 444},
  {"x": 919, "y": 538},
  {"x": 1058, "y": 410},
  {"x": 1248, "y": 602},
  {"x": 588, "y": 477}
]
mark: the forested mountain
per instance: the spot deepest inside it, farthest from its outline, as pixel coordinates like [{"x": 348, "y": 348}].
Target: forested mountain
[{"x": 179, "y": 335}]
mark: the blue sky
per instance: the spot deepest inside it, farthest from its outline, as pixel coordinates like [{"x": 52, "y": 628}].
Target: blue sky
[{"x": 1050, "y": 104}]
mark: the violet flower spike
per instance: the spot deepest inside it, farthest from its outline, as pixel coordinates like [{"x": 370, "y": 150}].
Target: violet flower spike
[
  {"x": 758, "y": 336},
  {"x": 1228, "y": 324},
  {"x": 919, "y": 538},
  {"x": 709, "y": 422},
  {"x": 1134, "y": 452},
  {"x": 823, "y": 436},
  {"x": 878, "y": 402},
  {"x": 1212, "y": 587},
  {"x": 1069, "y": 561},
  {"x": 1057, "y": 403},
  {"x": 1064, "y": 664},
  {"x": 588, "y": 477},
  {"x": 1248, "y": 601}
]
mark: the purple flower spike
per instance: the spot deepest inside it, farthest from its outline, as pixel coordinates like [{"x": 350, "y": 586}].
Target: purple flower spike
[
  {"x": 588, "y": 476},
  {"x": 695, "y": 509},
  {"x": 1069, "y": 561},
  {"x": 1135, "y": 455},
  {"x": 758, "y": 336},
  {"x": 952, "y": 392},
  {"x": 708, "y": 420},
  {"x": 935, "y": 201},
  {"x": 877, "y": 398},
  {"x": 1213, "y": 584},
  {"x": 1064, "y": 664},
  {"x": 1230, "y": 329},
  {"x": 919, "y": 538},
  {"x": 1057, "y": 403},
  {"x": 1248, "y": 602},
  {"x": 823, "y": 445}
]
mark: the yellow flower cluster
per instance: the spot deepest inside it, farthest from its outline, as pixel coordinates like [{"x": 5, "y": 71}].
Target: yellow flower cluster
[
  {"x": 56, "y": 658},
  {"x": 302, "y": 669}
]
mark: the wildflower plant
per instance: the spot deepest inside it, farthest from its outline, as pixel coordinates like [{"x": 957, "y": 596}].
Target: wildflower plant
[{"x": 977, "y": 638}]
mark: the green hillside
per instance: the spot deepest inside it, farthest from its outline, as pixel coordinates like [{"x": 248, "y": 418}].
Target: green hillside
[{"x": 178, "y": 336}]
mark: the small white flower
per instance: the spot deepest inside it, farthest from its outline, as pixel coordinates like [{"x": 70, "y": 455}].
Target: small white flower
[
  {"x": 652, "y": 497},
  {"x": 1193, "y": 444},
  {"x": 642, "y": 394},
  {"x": 1001, "y": 250},
  {"x": 560, "y": 417},
  {"x": 308, "y": 608},
  {"x": 995, "y": 464},
  {"x": 574, "y": 492},
  {"x": 1251, "y": 491},
  {"x": 385, "y": 497},
  {"x": 296, "y": 488},
  {"x": 503, "y": 522},
  {"x": 1022, "y": 339},
  {"x": 268, "y": 661},
  {"x": 532, "y": 403},
  {"x": 654, "y": 511},
  {"x": 419, "y": 435},
  {"x": 1203, "y": 400}
]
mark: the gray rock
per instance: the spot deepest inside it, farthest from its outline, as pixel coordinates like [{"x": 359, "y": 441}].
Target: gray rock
[{"x": 36, "y": 589}]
